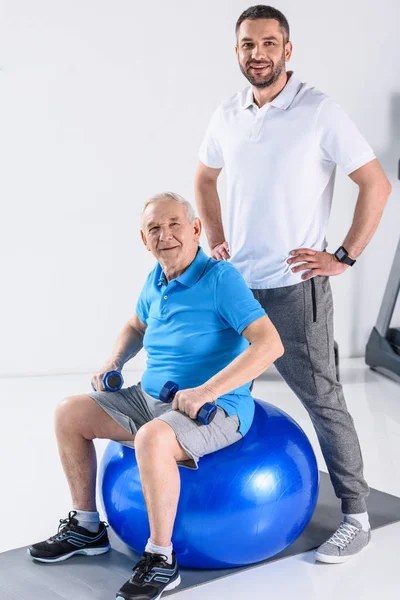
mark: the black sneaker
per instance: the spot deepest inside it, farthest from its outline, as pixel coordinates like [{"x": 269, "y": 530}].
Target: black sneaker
[
  {"x": 69, "y": 540},
  {"x": 151, "y": 577}
]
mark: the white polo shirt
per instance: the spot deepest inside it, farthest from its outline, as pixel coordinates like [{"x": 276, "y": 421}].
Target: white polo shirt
[{"x": 280, "y": 163}]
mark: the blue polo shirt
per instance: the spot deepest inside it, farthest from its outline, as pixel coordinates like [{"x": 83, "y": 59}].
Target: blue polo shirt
[{"x": 194, "y": 325}]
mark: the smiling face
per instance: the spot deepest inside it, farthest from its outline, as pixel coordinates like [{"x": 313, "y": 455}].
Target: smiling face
[
  {"x": 169, "y": 235},
  {"x": 262, "y": 51}
]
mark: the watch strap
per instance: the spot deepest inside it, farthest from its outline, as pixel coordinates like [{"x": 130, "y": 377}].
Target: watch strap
[{"x": 343, "y": 257}]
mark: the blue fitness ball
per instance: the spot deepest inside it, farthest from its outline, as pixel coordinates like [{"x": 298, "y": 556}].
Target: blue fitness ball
[{"x": 244, "y": 504}]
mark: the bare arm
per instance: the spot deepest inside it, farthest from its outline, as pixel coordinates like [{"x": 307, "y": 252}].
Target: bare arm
[
  {"x": 127, "y": 344},
  {"x": 209, "y": 207},
  {"x": 374, "y": 190},
  {"x": 265, "y": 347}
]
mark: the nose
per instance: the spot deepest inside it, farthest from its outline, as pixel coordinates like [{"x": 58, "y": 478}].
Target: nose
[
  {"x": 165, "y": 233},
  {"x": 259, "y": 52}
]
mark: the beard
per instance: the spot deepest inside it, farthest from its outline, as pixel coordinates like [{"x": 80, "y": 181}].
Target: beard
[{"x": 275, "y": 73}]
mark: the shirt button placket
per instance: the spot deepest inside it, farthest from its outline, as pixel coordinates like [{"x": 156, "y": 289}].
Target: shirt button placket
[
  {"x": 163, "y": 307},
  {"x": 256, "y": 129},
  {"x": 258, "y": 123}
]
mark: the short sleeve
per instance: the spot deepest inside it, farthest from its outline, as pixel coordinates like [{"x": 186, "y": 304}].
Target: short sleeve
[
  {"x": 234, "y": 300},
  {"x": 142, "y": 305},
  {"x": 210, "y": 152},
  {"x": 339, "y": 139}
]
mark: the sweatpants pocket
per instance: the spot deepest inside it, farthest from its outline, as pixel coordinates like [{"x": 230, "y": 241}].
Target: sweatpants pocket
[{"x": 314, "y": 301}]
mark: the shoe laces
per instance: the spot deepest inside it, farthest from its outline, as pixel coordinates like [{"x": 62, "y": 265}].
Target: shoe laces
[
  {"x": 143, "y": 568},
  {"x": 344, "y": 535},
  {"x": 64, "y": 526}
]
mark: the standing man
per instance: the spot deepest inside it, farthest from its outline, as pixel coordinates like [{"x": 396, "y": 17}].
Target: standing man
[{"x": 280, "y": 141}]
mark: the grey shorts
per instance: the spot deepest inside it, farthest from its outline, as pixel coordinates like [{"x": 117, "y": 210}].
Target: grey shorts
[{"x": 132, "y": 407}]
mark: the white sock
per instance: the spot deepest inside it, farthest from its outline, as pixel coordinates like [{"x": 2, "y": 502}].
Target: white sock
[
  {"x": 362, "y": 518},
  {"x": 88, "y": 520},
  {"x": 154, "y": 549}
]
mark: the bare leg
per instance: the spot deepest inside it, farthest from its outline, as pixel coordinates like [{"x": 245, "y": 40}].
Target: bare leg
[
  {"x": 157, "y": 453},
  {"x": 78, "y": 421}
]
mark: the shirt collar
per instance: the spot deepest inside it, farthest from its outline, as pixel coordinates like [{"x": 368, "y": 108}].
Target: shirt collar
[
  {"x": 192, "y": 274},
  {"x": 248, "y": 98},
  {"x": 283, "y": 100}
]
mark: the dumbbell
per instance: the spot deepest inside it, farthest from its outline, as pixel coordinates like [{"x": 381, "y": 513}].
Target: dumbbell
[
  {"x": 206, "y": 413},
  {"x": 112, "y": 381}
]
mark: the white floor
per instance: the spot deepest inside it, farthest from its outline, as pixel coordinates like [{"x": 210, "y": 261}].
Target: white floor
[{"x": 34, "y": 493}]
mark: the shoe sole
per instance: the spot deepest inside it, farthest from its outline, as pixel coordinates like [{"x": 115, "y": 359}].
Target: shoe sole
[
  {"x": 326, "y": 558},
  {"x": 169, "y": 587},
  {"x": 86, "y": 552}
]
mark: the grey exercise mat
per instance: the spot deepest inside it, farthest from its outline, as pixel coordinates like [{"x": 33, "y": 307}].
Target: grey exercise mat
[{"x": 99, "y": 577}]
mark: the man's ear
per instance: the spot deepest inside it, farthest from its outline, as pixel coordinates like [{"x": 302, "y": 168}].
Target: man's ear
[
  {"x": 288, "y": 51},
  {"x": 197, "y": 227},
  {"x": 144, "y": 240}
]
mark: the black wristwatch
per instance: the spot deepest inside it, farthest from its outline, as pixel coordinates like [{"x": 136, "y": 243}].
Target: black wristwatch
[{"x": 343, "y": 257}]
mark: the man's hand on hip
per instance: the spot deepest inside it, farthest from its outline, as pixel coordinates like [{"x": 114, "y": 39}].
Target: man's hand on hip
[
  {"x": 191, "y": 400},
  {"x": 221, "y": 251},
  {"x": 315, "y": 263}
]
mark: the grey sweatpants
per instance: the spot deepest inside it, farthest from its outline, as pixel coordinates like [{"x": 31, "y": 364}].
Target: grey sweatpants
[{"x": 303, "y": 316}]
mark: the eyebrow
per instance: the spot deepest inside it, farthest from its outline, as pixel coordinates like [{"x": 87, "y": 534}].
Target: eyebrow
[
  {"x": 155, "y": 223},
  {"x": 270, "y": 37}
]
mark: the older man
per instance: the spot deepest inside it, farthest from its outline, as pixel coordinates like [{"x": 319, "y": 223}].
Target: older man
[{"x": 217, "y": 337}]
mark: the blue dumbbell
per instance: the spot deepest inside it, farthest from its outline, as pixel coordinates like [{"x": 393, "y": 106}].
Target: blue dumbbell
[
  {"x": 205, "y": 414},
  {"x": 112, "y": 381}
]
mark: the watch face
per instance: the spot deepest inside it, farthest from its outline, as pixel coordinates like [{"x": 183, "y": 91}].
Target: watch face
[{"x": 341, "y": 253}]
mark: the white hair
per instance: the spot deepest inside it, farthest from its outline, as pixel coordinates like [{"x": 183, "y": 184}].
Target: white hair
[{"x": 190, "y": 212}]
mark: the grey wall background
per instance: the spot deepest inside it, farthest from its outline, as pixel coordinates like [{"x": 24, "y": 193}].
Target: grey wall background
[{"x": 105, "y": 103}]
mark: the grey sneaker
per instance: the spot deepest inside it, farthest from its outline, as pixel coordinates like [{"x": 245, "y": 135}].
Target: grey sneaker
[{"x": 348, "y": 540}]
